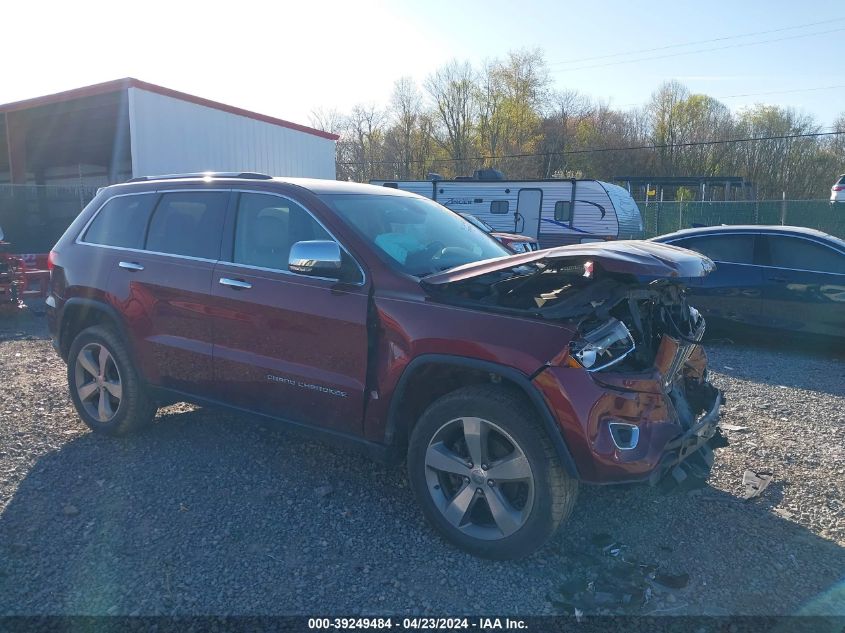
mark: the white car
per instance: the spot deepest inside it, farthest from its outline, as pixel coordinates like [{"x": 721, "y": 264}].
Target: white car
[{"x": 837, "y": 191}]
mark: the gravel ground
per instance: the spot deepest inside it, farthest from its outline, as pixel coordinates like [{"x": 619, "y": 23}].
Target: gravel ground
[{"x": 214, "y": 513}]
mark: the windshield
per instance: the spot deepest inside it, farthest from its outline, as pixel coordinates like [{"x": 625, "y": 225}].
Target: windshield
[
  {"x": 477, "y": 222},
  {"x": 418, "y": 236}
]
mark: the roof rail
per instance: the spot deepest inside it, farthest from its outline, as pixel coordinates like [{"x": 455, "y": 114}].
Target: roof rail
[{"x": 247, "y": 175}]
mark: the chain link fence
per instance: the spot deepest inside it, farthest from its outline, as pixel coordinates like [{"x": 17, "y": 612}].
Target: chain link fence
[
  {"x": 664, "y": 217},
  {"x": 34, "y": 217}
]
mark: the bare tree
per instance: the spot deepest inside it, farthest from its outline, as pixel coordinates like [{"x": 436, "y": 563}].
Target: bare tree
[
  {"x": 835, "y": 146},
  {"x": 663, "y": 109},
  {"x": 567, "y": 108},
  {"x": 362, "y": 142},
  {"x": 508, "y": 114},
  {"x": 490, "y": 97},
  {"x": 451, "y": 89},
  {"x": 328, "y": 120},
  {"x": 406, "y": 108}
]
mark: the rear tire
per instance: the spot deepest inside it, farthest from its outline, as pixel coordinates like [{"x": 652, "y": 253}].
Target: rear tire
[
  {"x": 104, "y": 384},
  {"x": 513, "y": 502}
]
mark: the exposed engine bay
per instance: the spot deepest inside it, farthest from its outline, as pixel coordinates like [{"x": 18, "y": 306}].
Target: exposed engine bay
[
  {"x": 630, "y": 327},
  {"x": 620, "y": 318}
]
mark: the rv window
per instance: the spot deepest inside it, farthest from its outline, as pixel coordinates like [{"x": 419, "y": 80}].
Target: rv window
[
  {"x": 563, "y": 211},
  {"x": 499, "y": 207}
]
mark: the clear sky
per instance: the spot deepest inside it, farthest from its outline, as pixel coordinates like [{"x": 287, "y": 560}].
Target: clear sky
[{"x": 287, "y": 58}]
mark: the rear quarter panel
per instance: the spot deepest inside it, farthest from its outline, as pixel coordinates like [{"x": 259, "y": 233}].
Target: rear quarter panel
[{"x": 79, "y": 271}]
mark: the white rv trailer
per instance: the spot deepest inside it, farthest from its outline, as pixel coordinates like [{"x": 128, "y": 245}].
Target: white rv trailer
[{"x": 555, "y": 212}]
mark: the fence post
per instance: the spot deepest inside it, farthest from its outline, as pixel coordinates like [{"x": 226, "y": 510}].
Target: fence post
[
  {"x": 659, "y": 208},
  {"x": 79, "y": 189},
  {"x": 783, "y": 210}
]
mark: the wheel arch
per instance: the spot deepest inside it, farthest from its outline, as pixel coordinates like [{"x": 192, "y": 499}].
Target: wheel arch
[
  {"x": 421, "y": 374},
  {"x": 79, "y": 313}
]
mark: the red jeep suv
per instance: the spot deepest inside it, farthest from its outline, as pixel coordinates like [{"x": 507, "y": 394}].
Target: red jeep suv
[{"x": 379, "y": 318}]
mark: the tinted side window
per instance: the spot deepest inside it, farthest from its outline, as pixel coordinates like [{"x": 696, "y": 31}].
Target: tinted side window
[
  {"x": 734, "y": 249},
  {"x": 267, "y": 226},
  {"x": 188, "y": 223},
  {"x": 499, "y": 207},
  {"x": 122, "y": 222},
  {"x": 801, "y": 254},
  {"x": 563, "y": 211}
]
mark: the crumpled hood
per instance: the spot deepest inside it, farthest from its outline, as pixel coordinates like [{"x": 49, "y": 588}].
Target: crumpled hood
[
  {"x": 633, "y": 257},
  {"x": 514, "y": 237}
]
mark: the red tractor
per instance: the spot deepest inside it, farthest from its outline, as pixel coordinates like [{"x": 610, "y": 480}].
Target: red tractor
[{"x": 12, "y": 277}]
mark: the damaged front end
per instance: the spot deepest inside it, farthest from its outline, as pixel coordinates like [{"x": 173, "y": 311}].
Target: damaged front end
[{"x": 631, "y": 388}]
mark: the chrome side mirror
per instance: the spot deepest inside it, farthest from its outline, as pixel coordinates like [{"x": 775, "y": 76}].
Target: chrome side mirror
[{"x": 319, "y": 258}]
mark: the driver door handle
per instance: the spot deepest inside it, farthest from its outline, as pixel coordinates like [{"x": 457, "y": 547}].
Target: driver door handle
[
  {"x": 131, "y": 266},
  {"x": 237, "y": 284}
]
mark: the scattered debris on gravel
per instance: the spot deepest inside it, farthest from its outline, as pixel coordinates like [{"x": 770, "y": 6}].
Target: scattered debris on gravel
[
  {"x": 212, "y": 512},
  {"x": 755, "y": 483}
]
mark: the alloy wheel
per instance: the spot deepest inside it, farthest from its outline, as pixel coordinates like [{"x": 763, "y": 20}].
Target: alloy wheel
[
  {"x": 480, "y": 478},
  {"x": 98, "y": 383}
]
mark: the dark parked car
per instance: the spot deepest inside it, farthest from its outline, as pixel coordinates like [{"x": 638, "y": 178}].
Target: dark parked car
[
  {"x": 514, "y": 241},
  {"x": 779, "y": 277},
  {"x": 379, "y": 318}
]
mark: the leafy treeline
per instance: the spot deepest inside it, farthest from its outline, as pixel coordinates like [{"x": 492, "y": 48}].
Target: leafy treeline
[{"x": 507, "y": 114}]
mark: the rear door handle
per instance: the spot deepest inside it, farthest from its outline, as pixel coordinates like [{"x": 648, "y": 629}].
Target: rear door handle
[
  {"x": 131, "y": 266},
  {"x": 779, "y": 280},
  {"x": 237, "y": 284}
]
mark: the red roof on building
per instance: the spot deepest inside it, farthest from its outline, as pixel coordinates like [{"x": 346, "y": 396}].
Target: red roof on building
[{"x": 129, "y": 82}]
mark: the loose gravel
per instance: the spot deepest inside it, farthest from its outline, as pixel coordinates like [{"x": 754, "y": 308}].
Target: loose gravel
[{"x": 214, "y": 513}]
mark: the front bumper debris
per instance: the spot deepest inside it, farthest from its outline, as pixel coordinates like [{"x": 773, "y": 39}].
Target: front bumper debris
[{"x": 688, "y": 458}]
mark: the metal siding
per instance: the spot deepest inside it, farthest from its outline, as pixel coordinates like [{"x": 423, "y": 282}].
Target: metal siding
[
  {"x": 455, "y": 192},
  {"x": 133, "y": 133},
  {"x": 173, "y": 136},
  {"x": 628, "y": 213},
  {"x": 586, "y": 216}
]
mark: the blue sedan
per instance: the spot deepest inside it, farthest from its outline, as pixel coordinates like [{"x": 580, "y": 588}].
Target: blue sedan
[{"x": 775, "y": 277}]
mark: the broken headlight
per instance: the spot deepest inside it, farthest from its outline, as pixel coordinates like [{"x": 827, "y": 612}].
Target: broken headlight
[{"x": 603, "y": 346}]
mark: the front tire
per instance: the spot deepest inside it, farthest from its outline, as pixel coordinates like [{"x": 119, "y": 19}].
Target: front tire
[
  {"x": 104, "y": 384},
  {"x": 486, "y": 474}
]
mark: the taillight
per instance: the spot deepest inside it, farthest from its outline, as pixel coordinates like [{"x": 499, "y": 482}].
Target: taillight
[
  {"x": 839, "y": 187},
  {"x": 51, "y": 260}
]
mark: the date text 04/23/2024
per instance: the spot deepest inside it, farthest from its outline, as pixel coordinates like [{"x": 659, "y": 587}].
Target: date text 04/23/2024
[{"x": 415, "y": 624}]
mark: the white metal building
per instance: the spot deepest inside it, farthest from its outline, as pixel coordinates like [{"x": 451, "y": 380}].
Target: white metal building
[{"x": 127, "y": 128}]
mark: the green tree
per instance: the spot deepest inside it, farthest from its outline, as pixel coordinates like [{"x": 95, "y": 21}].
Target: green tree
[{"x": 779, "y": 166}]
